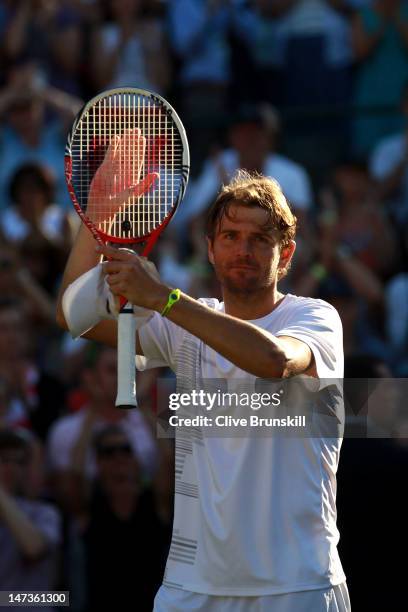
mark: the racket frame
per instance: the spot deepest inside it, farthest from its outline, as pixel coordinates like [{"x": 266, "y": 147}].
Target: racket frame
[{"x": 126, "y": 397}]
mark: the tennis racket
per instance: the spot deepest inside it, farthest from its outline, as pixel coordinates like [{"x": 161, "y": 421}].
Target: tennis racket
[{"x": 126, "y": 166}]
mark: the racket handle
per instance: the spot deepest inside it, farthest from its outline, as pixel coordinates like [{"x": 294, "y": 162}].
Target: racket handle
[{"x": 126, "y": 397}]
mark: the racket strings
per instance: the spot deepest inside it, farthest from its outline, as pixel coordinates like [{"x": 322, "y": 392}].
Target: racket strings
[{"x": 109, "y": 153}]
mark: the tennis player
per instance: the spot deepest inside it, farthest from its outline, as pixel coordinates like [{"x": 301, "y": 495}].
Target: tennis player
[{"x": 255, "y": 517}]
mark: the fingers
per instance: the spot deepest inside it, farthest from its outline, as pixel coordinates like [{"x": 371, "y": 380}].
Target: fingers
[
  {"x": 112, "y": 149},
  {"x": 141, "y": 188},
  {"x": 114, "y": 267},
  {"x": 130, "y": 155}
]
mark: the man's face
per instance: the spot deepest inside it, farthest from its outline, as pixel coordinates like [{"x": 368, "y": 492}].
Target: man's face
[{"x": 245, "y": 252}]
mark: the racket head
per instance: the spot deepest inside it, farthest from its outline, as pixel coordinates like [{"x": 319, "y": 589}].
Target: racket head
[{"x": 119, "y": 127}]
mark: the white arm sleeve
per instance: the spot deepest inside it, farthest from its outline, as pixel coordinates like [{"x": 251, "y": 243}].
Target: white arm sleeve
[{"x": 88, "y": 300}]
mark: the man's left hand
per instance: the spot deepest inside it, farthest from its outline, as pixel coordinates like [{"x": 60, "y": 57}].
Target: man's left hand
[{"x": 134, "y": 277}]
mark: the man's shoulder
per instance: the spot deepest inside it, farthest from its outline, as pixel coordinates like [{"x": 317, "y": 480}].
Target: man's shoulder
[
  {"x": 300, "y": 302},
  {"x": 309, "y": 312}
]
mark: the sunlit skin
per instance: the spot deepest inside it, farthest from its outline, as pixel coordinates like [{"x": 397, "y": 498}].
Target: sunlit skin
[
  {"x": 118, "y": 178},
  {"x": 246, "y": 255}
]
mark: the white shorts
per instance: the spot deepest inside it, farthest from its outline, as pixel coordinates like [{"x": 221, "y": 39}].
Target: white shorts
[{"x": 333, "y": 599}]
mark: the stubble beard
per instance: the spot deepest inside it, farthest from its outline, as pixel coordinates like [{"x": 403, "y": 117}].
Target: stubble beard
[{"x": 245, "y": 287}]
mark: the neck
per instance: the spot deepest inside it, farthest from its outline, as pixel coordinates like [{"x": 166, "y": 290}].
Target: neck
[{"x": 251, "y": 305}]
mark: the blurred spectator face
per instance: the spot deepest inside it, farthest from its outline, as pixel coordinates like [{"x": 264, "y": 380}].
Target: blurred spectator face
[
  {"x": 115, "y": 460},
  {"x": 32, "y": 189},
  {"x": 352, "y": 183},
  {"x": 101, "y": 379},
  {"x": 31, "y": 198},
  {"x": 25, "y": 114},
  {"x": 251, "y": 136},
  {"x": 13, "y": 468}
]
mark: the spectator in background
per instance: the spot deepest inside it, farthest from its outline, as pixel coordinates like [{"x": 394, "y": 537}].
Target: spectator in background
[
  {"x": 302, "y": 50},
  {"x": 269, "y": 73},
  {"x": 199, "y": 33},
  {"x": 124, "y": 538},
  {"x": 17, "y": 283},
  {"x": 35, "y": 397},
  {"x": 380, "y": 42},
  {"x": 354, "y": 218},
  {"x": 389, "y": 167},
  {"x": 69, "y": 447},
  {"x": 371, "y": 513},
  {"x": 42, "y": 31},
  {"x": 309, "y": 45},
  {"x": 253, "y": 138},
  {"x": 27, "y": 134},
  {"x": 34, "y": 219},
  {"x": 361, "y": 330},
  {"x": 29, "y": 528},
  {"x": 130, "y": 49}
]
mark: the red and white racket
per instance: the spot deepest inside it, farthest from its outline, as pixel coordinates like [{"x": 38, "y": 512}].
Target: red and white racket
[{"x": 126, "y": 166}]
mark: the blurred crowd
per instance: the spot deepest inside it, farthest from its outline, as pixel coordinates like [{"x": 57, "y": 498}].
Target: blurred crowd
[{"x": 311, "y": 92}]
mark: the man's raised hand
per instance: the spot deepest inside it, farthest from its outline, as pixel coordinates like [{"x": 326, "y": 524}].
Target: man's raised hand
[{"x": 118, "y": 177}]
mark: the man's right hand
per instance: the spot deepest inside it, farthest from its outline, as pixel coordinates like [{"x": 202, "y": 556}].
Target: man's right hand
[{"x": 118, "y": 177}]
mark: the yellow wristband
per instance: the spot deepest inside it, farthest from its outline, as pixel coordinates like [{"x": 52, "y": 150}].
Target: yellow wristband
[{"x": 174, "y": 297}]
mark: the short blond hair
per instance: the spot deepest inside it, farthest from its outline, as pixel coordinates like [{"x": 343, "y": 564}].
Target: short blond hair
[{"x": 253, "y": 189}]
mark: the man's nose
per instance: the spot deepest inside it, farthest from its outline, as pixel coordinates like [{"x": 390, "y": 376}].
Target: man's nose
[{"x": 244, "y": 247}]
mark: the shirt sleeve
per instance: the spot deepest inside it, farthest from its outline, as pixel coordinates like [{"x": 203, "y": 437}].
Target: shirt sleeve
[
  {"x": 317, "y": 324},
  {"x": 159, "y": 339}
]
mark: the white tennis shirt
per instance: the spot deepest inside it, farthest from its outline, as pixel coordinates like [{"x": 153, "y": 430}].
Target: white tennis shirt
[{"x": 253, "y": 515}]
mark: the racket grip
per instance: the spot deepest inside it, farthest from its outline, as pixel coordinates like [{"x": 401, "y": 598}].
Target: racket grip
[{"x": 126, "y": 397}]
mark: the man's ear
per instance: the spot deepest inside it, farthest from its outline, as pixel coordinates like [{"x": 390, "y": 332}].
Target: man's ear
[
  {"x": 286, "y": 254},
  {"x": 210, "y": 250}
]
